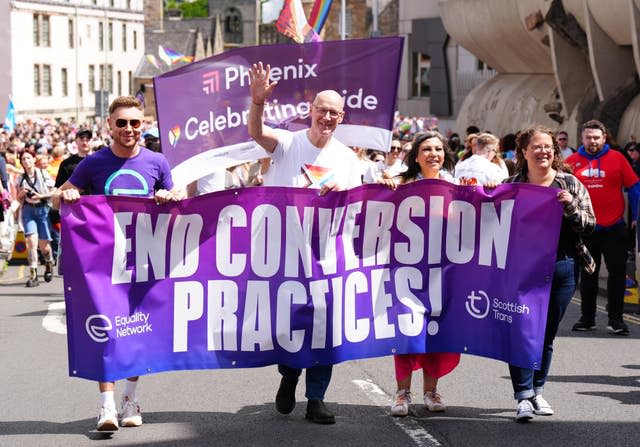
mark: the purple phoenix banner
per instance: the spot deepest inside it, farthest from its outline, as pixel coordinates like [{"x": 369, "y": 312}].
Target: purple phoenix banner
[
  {"x": 203, "y": 107},
  {"x": 257, "y": 276}
]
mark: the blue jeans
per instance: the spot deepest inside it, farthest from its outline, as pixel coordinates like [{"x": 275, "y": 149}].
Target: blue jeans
[
  {"x": 528, "y": 382},
  {"x": 317, "y": 379}
]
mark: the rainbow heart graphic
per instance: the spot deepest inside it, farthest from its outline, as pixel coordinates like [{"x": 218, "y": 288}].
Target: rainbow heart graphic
[{"x": 174, "y": 135}]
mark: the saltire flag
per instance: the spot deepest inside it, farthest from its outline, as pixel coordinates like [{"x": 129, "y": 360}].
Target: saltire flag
[
  {"x": 319, "y": 14},
  {"x": 293, "y": 23},
  {"x": 171, "y": 57},
  {"x": 10, "y": 117},
  {"x": 152, "y": 60}
]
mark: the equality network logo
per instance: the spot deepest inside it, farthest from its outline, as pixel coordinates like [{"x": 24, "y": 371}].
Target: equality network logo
[
  {"x": 98, "y": 327},
  {"x": 478, "y": 305}
]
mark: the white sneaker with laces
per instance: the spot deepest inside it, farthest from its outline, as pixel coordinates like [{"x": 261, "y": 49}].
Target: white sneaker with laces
[
  {"x": 107, "y": 419},
  {"x": 524, "y": 411},
  {"x": 401, "y": 406},
  {"x": 541, "y": 406},
  {"x": 130, "y": 414},
  {"x": 433, "y": 401}
]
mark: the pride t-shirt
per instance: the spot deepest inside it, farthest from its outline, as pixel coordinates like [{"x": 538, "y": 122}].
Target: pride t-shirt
[{"x": 104, "y": 173}]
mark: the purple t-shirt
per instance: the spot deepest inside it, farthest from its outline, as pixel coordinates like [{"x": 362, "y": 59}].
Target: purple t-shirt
[{"x": 103, "y": 173}]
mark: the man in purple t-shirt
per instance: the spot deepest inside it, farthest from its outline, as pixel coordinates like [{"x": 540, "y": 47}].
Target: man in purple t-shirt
[{"x": 128, "y": 169}]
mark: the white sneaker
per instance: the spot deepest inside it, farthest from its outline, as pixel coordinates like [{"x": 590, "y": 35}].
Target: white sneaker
[
  {"x": 401, "y": 406},
  {"x": 541, "y": 406},
  {"x": 524, "y": 411},
  {"x": 433, "y": 401},
  {"x": 130, "y": 414},
  {"x": 107, "y": 419}
]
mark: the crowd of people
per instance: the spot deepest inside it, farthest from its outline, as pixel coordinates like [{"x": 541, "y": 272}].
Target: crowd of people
[{"x": 46, "y": 163}]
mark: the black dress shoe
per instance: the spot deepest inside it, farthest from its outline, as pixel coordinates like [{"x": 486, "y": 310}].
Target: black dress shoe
[
  {"x": 318, "y": 413},
  {"x": 286, "y": 396}
]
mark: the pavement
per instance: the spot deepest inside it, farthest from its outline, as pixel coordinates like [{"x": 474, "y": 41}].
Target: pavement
[{"x": 594, "y": 387}]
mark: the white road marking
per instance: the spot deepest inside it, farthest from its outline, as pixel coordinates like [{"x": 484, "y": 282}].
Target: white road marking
[
  {"x": 55, "y": 320},
  {"x": 409, "y": 425}
]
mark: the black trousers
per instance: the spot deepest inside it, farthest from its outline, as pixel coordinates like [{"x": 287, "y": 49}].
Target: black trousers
[{"x": 612, "y": 243}]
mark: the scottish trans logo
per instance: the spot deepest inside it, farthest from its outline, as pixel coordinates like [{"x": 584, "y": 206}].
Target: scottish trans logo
[
  {"x": 479, "y": 306},
  {"x": 98, "y": 327}
]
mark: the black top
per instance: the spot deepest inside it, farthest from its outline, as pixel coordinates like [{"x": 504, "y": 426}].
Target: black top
[{"x": 66, "y": 169}]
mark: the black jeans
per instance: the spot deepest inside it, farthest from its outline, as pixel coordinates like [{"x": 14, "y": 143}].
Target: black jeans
[{"x": 612, "y": 243}]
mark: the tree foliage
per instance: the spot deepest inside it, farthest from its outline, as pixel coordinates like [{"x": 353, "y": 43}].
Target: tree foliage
[{"x": 197, "y": 8}]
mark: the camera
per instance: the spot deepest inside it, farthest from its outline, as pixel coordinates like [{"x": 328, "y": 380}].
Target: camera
[{"x": 30, "y": 193}]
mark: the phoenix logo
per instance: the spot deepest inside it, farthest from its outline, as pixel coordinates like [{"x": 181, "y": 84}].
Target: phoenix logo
[{"x": 174, "y": 135}]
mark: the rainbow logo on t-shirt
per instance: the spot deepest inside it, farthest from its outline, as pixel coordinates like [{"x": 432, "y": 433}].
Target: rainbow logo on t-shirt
[
  {"x": 174, "y": 135},
  {"x": 316, "y": 176}
]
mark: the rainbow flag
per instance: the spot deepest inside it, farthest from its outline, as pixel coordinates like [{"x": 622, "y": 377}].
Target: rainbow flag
[
  {"x": 171, "y": 57},
  {"x": 152, "y": 60},
  {"x": 319, "y": 14},
  {"x": 293, "y": 23}
]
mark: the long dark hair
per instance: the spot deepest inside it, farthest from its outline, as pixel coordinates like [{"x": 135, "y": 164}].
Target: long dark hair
[
  {"x": 522, "y": 141},
  {"x": 411, "y": 159}
]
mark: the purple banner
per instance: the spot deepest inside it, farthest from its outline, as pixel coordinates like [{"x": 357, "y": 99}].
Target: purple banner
[
  {"x": 256, "y": 276},
  {"x": 203, "y": 107}
]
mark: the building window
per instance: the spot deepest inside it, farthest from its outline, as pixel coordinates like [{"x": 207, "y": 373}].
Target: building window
[
  {"x": 46, "y": 80},
  {"x": 130, "y": 84},
  {"x": 72, "y": 34},
  {"x": 41, "y": 35},
  {"x": 64, "y": 80},
  {"x": 46, "y": 39},
  {"x": 80, "y": 93},
  {"x": 110, "y": 36},
  {"x": 106, "y": 78},
  {"x": 110, "y": 78},
  {"x": 232, "y": 26},
  {"x": 124, "y": 37},
  {"x": 101, "y": 36},
  {"x": 92, "y": 78},
  {"x": 119, "y": 83},
  {"x": 36, "y": 30},
  {"x": 36, "y": 81},
  {"x": 420, "y": 75},
  {"x": 135, "y": 40}
]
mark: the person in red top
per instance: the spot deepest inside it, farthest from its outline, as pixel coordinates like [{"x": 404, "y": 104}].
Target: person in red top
[{"x": 605, "y": 172}]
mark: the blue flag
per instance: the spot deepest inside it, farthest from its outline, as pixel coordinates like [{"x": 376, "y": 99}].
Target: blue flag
[{"x": 10, "y": 117}]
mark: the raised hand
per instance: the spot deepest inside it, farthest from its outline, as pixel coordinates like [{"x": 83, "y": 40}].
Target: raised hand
[{"x": 261, "y": 88}]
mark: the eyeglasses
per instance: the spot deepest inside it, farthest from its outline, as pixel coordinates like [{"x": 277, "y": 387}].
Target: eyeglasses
[
  {"x": 332, "y": 113},
  {"x": 122, "y": 123},
  {"x": 542, "y": 147}
]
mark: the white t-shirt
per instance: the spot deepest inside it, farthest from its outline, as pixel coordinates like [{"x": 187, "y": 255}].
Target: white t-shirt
[
  {"x": 375, "y": 172},
  {"x": 481, "y": 169},
  {"x": 218, "y": 180},
  {"x": 297, "y": 162}
]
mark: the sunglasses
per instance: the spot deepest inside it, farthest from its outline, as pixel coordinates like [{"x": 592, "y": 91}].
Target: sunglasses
[
  {"x": 395, "y": 149},
  {"x": 122, "y": 123}
]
